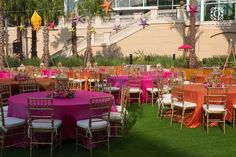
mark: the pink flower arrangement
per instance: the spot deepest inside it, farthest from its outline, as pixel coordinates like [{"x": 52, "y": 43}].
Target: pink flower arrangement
[
  {"x": 62, "y": 94},
  {"x": 212, "y": 84},
  {"x": 21, "y": 77}
]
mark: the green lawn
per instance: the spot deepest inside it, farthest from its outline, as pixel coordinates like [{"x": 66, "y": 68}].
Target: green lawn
[{"x": 150, "y": 137}]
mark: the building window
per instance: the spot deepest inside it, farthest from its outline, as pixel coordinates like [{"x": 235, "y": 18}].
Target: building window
[
  {"x": 136, "y": 3},
  {"x": 151, "y": 3},
  {"x": 226, "y": 12}
]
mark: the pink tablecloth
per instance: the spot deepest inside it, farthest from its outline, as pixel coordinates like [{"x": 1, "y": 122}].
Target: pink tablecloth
[
  {"x": 4, "y": 74},
  {"x": 146, "y": 81},
  {"x": 68, "y": 110}
]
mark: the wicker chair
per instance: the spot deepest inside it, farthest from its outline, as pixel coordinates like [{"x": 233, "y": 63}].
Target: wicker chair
[
  {"x": 41, "y": 121},
  {"x": 95, "y": 124},
  {"x": 214, "y": 109},
  {"x": 11, "y": 127}
]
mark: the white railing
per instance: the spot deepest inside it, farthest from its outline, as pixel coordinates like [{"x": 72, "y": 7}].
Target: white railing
[{"x": 167, "y": 13}]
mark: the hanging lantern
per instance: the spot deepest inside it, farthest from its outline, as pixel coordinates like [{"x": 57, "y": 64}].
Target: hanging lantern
[{"x": 36, "y": 21}]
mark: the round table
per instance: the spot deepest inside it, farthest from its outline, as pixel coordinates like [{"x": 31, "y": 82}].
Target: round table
[
  {"x": 67, "y": 110},
  {"x": 44, "y": 84},
  {"x": 196, "y": 93}
]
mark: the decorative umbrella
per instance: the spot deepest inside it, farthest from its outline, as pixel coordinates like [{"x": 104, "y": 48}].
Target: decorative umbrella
[{"x": 185, "y": 47}]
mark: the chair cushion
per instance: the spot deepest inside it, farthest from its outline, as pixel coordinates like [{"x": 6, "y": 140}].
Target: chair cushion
[
  {"x": 13, "y": 122},
  {"x": 78, "y": 80},
  {"x": 186, "y": 104},
  {"x": 167, "y": 96},
  {"x": 166, "y": 100},
  {"x": 186, "y": 82},
  {"x": 95, "y": 123},
  {"x": 152, "y": 90},
  {"x": 114, "y": 116},
  {"x": 45, "y": 123},
  {"x": 135, "y": 90},
  {"x": 115, "y": 89},
  {"x": 234, "y": 106},
  {"x": 214, "y": 108},
  {"x": 5, "y": 114},
  {"x": 5, "y": 108},
  {"x": 118, "y": 108}
]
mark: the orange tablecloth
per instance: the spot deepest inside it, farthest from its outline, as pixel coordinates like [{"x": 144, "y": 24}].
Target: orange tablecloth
[
  {"x": 195, "y": 93},
  {"x": 44, "y": 83}
]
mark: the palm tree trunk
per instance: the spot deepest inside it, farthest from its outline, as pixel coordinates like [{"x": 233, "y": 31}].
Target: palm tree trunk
[
  {"x": 192, "y": 54},
  {"x": 74, "y": 39},
  {"x": 2, "y": 54},
  {"x": 88, "y": 51},
  {"x": 46, "y": 55},
  {"x": 34, "y": 53},
  {"x": 19, "y": 36}
]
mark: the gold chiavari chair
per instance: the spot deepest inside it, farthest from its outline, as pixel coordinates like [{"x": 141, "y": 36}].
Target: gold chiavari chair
[
  {"x": 179, "y": 104},
  {"x": 134, "y": 85},
  {"x": 152, "y": 93},
  {"x": 214, "y": 109},
  {"x": 41, "y": 121},
  {"x": 89, "y": 128},
  {"x": 5, "y": 93},
  {"x": 28, "y": 86},
  {"x": 11, "y": 127},
  {"x": 118, "y": 119}
]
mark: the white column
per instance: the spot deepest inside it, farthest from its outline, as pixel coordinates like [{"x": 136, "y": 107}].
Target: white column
[
  {"x": 202, "y": 12},
  {"x": 153, "y": 13},
  {"x": 66, "y": 7},
  {"x": 98, "y": 20},
  {"x": 117, "y": 18},
  {"x": 106, "y": 38}
]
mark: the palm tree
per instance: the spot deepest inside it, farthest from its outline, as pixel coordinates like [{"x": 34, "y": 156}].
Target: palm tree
[
  {"x": 192, "y": 55},
  {"x": 50, "y": 10},
  {"x": 2, "y": 54},
  {"x": 90, "y": 9},
  {"x": 74, "y": 36}
]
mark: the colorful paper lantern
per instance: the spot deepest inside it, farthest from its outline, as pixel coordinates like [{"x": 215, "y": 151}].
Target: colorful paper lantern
[
  {"x": 78, "y": 19},
  {"x": 36, "y": 21},
  {"x": 117, "y": 28},
  {"x": 192, "y": 9},
  {"x": 92, "y": 29},
  {"x": 51, "y": 25},
  {"x": 21, "y": 27},
  {"x": 143, "y": 22},
  {"x": 107, "y": 6}
]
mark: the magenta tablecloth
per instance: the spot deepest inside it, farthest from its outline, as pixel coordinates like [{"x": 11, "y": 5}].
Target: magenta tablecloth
[
  {"x": 68, "y": 110},
  {"x": 4, "y": 74}
]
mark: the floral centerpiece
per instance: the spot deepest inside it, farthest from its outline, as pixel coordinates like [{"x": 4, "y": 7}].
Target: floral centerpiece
[
  {"x": 62, "y": 94},
  {"x": 214, "y": 80},
  {"x": 62, "y": 89},
  {"x": 22, "y": 76}
]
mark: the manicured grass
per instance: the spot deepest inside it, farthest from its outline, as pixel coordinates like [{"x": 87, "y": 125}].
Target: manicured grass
[{"x": 151, "y": 137}]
